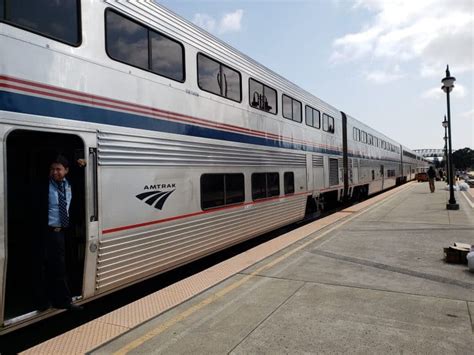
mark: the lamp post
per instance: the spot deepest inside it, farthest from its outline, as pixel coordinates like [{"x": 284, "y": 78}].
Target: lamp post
[
  {"x": 448, "y": 84},
  {"x": 446, "y": 163}
]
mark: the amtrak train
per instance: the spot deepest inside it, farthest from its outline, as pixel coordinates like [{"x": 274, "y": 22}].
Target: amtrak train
[{"x": 191, "y": 146}]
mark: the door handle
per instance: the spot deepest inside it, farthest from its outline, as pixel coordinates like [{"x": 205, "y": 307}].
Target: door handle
[{"x": 94, "y": 181}]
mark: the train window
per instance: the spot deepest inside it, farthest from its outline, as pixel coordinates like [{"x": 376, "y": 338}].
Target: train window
[
  {"x": 363, "y": 136},
  {"x": 259, "y": 185},
  {"x": 356, "y": 134},
  {"x": 370, "y": 139},
  {"x": 166, "y": 57},
  {"x": 59, "y": 20},
  {"x": 328, "y": 123},
  {"x": 234, "y": 188},
  {"x": 221, "y": 189},
  {"x": 265, "y": 185},
  {"x": 132, "y": 43},
  {"x": 289, "y": 182},
  {"x": 219, "y": 79},
  {"x": 209, "y": 72},
  {"x": 262, "y": 97},
  {"x": 127, "y": 41},
  {"x": 291, "y": 108},
  {"x": 273, "y": 184},
  {"x": 313, "y": 117}
]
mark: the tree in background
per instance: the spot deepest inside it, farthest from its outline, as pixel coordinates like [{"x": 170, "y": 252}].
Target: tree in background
[{"x": 463, "y": 159}]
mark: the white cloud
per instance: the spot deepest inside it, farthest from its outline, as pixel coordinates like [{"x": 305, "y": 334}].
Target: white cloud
[
  {"x": 468, "y": 114},
  {"x": 204, "y": 21},
  {"x": 435, "y": 32},
  {"x": 229, "y": 22},
  {"x": 459, "y": 91},
  {"x": 383, "y": 77}
]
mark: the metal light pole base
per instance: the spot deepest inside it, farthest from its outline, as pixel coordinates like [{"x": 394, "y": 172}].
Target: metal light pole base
[{"x": 452, "y": 206}]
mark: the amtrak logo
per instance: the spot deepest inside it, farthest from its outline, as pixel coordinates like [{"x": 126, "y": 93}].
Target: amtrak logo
[{"x": 155, "y": 198}]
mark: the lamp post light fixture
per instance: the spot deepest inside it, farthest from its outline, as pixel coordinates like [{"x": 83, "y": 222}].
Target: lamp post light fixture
[
  {"x": 446, "y": 163},
  {"x": 448, "y": 85}
]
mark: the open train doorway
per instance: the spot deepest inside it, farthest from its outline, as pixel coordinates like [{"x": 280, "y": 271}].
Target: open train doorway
[{"x": 29, "y": 154}]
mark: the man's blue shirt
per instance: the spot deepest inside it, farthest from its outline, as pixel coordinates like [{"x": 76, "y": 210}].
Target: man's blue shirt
[{"x": 53, "y": 206}]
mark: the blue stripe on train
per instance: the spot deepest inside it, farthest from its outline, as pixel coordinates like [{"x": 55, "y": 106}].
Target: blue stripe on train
[{"x": 46, "y": 107}]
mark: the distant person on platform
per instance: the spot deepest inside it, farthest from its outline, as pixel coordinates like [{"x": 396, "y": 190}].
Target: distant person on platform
[
  {"x": 441, "y": 174},
  {"x": 431, "y": 178}
]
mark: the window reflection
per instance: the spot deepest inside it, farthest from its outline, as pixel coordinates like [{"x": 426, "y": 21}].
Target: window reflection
[
  {"x": 309, "y": 116},
  {"x": 328, "y": 123},
  {"x": 291, "y": 108},
  {"x": 130, "y": 42},
  {"x": 262, "y": 97},
  {"x": 218, "y": 79},
  {"x": 296, "y": 111},
  {"x": 287, "y": 107},
  {"x": 127, "y": 41},
  {"x": 209, "y": 74},
  {"x": 230, "y": 84},
  {"x": 234, "y": 188},
  {"x": 167, "y": 57},
  {"x": 57, "y": 19}
]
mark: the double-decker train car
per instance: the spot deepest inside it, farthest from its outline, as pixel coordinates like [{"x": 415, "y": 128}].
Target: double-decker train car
[{"x": 190, "y": 145}]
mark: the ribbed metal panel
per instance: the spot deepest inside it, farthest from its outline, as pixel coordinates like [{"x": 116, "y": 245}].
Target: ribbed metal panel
[
  {"x": 127, "y": 150},
  {"x": 318, "y": 161},
  {"x": 128, "y": 257},
  {"x": 334, "y": 171}
]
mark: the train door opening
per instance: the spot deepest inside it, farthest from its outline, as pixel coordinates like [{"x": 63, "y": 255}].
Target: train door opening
[{"x": 29, "y": 154}]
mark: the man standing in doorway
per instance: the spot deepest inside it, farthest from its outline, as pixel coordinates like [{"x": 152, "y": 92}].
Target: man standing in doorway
[{"x": 59, "y": 202}]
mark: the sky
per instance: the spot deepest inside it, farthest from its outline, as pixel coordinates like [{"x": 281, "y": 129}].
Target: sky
[{"x": 380, "y": 61}]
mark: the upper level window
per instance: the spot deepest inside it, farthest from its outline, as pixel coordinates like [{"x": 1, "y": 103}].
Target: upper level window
[
  {"x": 132, "y": 43},
  {"x": 218, "y": 78},
  {"x": 363, "y": 136},
  {"x": 370, "y": 139},
  {"x": 356, "y": 134},
  {"x": 262, "y": 97},
  {"x": 313, "y": 117},
  {"x": 291, "y": 108},
  {"x": 59, "y": 20},
  {"x": 328, "y": 123}
]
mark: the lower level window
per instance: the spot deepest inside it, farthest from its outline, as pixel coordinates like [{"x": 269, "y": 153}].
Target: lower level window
[
  {"x": 265, "y": 185},
  {"x": 221, "y": 189},
  {"x": 289, "y": 182}
]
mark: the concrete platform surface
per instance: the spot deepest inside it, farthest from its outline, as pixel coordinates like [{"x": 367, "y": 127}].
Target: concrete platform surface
[{"x": 373, "y": 282}]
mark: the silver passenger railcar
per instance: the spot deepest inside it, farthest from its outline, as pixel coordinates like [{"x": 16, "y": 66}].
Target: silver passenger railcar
[{"x": 190, "y": 145}]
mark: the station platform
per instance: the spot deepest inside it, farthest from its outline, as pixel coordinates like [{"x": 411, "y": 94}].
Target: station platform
[{"x": 368, "y": 279}]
